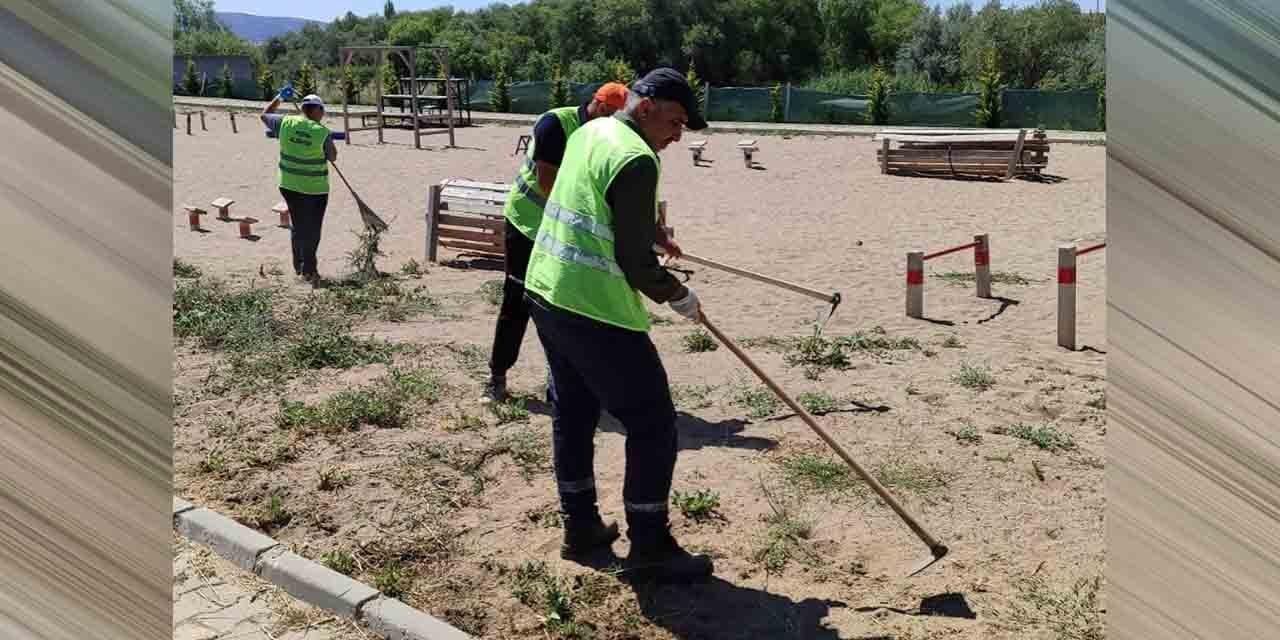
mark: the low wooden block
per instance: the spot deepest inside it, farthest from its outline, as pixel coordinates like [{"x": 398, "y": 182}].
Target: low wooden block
[
  {"x": 282, "y": 208},
  {"x": 223, "y": 205},
  {"x": 193, "y": 216},
  {"x": 246, "y": 227}
]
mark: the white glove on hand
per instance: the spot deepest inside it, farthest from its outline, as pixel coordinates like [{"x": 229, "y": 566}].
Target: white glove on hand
[{"x": 688, "y": 306}]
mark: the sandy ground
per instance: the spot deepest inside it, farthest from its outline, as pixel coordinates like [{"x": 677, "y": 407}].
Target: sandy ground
[
  {"x": 213, "y": 598},
  {"x": 816, "y": 212}
]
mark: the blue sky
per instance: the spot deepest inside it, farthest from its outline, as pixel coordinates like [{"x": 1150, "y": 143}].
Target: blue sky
[{"x": 328, "y": 9}]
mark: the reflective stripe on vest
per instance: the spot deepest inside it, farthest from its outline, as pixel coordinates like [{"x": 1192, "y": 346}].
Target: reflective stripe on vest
[
  {"x": 529, "y": 192},
  {"x": 577, "y": 220},
  {"x": 575, "y": 255},
  {"x": 525, "y": 201},
  {"x": 302, "y": 162}
]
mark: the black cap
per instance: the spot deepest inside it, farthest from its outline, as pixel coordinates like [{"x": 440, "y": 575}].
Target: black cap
[{"x": 666, "y": 83}]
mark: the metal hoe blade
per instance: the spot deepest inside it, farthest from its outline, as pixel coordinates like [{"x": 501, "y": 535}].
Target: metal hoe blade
[{"x": 937, "y": 553}]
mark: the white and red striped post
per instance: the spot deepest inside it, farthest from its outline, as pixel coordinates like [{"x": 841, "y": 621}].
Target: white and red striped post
[
  {"x": 1067, "y": 296},
  {"x": 982, "y": 264},
  {"x": 915, "y": 284}
]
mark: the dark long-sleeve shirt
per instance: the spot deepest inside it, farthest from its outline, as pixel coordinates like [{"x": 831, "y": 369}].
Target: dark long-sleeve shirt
[
  {"x": 273, "y": 121},
  {"x": 632, "y": 196},
  {"x": 549, "y": 139}
]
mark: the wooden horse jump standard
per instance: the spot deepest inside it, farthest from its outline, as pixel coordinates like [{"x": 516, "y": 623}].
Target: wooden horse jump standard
[
  {"x": 981, "y": 246},
  {"x": 748, "y": 147},
  {"x": 467, "y": 215},
  {"x": 1067, "y": 255}
]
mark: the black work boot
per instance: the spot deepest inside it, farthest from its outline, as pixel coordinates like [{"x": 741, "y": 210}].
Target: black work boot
[
  {"x": 585, "y": 536},
  {"x": 495, "y": 390},
  {"x": 659, "y": 558}
]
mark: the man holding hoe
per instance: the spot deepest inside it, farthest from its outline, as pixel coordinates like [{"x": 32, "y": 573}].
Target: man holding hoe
[
  {"x": 593, "y": 257},
  {"x": 306, "y": 147},
  {"x": 523, "y": 211}
]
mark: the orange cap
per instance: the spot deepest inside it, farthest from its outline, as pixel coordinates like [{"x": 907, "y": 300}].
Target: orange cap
[{"x": 613, "y": 94}]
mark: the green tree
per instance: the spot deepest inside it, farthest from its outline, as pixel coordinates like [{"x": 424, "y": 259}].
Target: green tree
[
  {"x": 890, "y": 25},
  {"x": 190, "y": 16},
  {"x": 775, "y": 103},
  {"x": 306, "y": 82},
  {"x": 559, "y": 89},
  {"x": 267, "y": 82},
  {"x": 935, "y": 48},
  {"x": 226, "y": 86},
  {"x": 500, "y": 95},
  {"x": 191, "y": 80},
  {"x": 878, "y": 97},
  {"x": 988, "y": 113},
  {"x": 389, "y": 10}
]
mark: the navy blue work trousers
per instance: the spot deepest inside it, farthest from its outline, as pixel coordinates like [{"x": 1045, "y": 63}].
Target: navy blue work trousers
[{"x": 596, "y": 366}]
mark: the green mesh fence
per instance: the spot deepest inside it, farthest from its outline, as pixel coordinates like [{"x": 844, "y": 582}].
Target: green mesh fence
[
  {"x": 739, "y": 104},
  {"x": 1067, "y": 110},
  {"x": 528, "y": 97}
]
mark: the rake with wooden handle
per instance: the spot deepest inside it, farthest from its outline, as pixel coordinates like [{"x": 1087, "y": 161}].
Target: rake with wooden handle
[
  {"x": 371, "y": 219},
  {"x": 936, "y": 549}
]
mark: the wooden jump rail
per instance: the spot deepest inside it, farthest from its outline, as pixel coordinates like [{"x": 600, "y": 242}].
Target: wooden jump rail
[
  {"x": 981, "y": 246},
  {"x": 1067, "y": 255},
  {"x": 467, "y": 216}
]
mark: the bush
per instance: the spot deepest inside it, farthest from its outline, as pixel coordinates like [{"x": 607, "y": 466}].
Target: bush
[
  {"x": 559, "y": 89},
  {"x": 226, "y": 85},
  {"x": 306, "y": 83},
  {"x": 500, "y": 95},
  {"x": 191, "y": 80},
  {"x": 267, "y": 82},
  {"x": 878, "y": 97},
  {"x": 988, "y": 113},
  {"x": 699, "y": 89},
  {"x": 348, "y": 82}
]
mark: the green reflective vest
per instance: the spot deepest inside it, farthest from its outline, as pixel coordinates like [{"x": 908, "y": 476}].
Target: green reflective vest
[
  {"x": 303, "y": 167},
  {"x": 572, "y": 265},
  {"x": 526, "y": 201}
]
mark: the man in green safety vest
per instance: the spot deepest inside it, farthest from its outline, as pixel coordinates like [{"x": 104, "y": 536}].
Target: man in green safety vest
[
  {"x": 592, "y": 259},
  {"x": 306, "y": 147},
  {"x": 523, "y": 212}
]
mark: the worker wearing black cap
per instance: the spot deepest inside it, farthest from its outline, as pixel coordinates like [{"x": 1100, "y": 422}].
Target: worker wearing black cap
[{"x": 592, "y": 260}]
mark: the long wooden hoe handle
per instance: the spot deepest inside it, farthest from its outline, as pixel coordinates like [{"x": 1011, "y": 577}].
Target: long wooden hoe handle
[
  {"x": 933, "y": 544},
  {"x": 833, "y": 298}
]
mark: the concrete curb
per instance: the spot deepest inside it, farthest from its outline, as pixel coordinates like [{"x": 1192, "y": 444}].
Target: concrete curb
[{"x": 308, "y": 581}]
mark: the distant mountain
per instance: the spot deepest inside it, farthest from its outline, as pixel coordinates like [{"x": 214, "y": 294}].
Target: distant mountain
[{"x": 259, "y": 29}]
